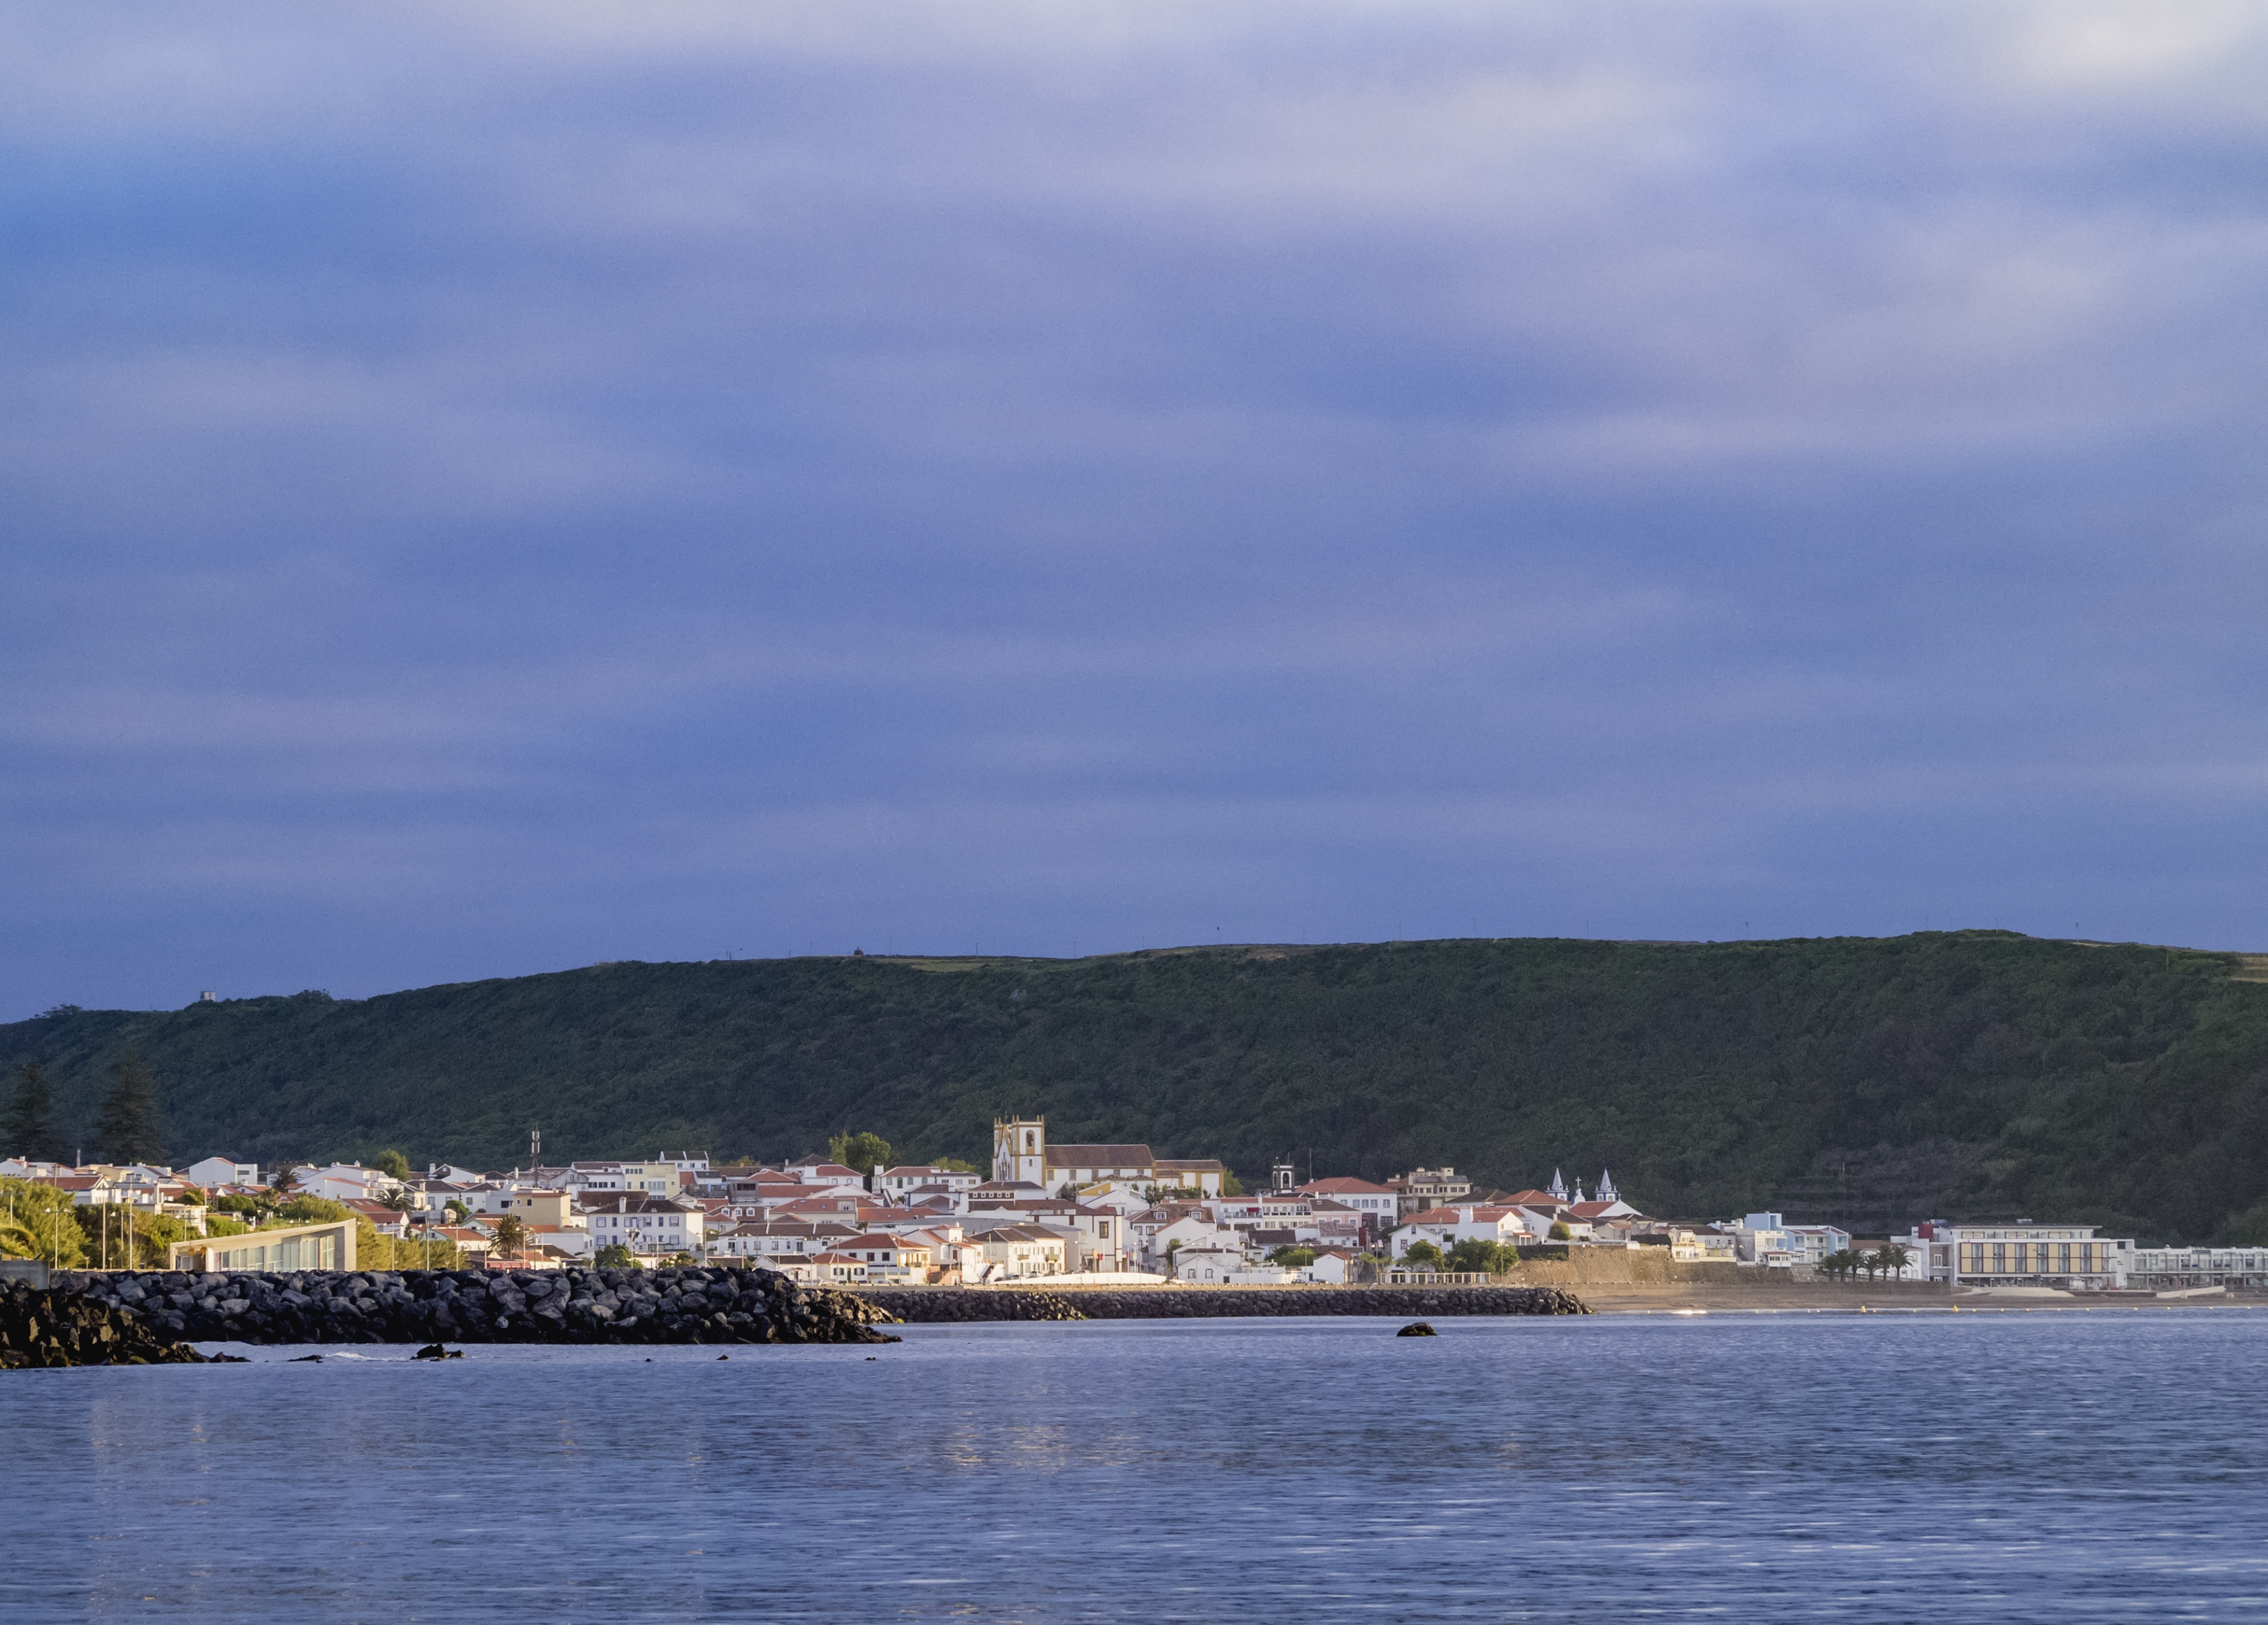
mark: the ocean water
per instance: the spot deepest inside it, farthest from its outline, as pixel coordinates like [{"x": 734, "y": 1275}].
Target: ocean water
[{"x": 2012, "y": 1466}]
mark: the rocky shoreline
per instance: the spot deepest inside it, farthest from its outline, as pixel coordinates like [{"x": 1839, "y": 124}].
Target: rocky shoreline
[
  {"x": 931, "y": 1305},
  {"x": 42, "y": 1328},
  {"x": 701, "y": 1306}
]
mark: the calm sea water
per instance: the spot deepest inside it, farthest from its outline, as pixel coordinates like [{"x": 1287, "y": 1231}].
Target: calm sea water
[{"x": 1990, "y": 1467}]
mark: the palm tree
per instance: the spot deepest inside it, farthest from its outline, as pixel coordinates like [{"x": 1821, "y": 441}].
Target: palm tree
[
  {"x": 400, "y": 1201},
  {"x": 1892, "y": 1258},
  {"x": 510, "y": 1235}
]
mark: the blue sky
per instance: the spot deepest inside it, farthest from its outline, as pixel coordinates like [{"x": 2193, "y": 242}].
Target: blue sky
[{"x": 491, "y": 488}]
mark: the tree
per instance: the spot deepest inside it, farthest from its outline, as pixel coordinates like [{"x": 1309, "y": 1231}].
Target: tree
[
  {"x": 1423, "y": 1252},
  {"x": 1292, "y": 1258},
  {"x": 614, "y": 1255},
  {"x": 1839, "y": 1264},
  {"x": 512, "y": 1235},
  {"x": 954, "y": 1164},
  {"x": 283, "y": 1185},
  {"x": 392, "y": 1162},
  {"x": 1560, "y": 1232},
  {"x": 1891, "y": 1258},
  {"x": 39, "y": 1222},
  {"x": 29, "y": 1129},
  {"x": 312, "y": 1210},
  {"x": 1230, "y": 1185},
  {"x": 861, "y": 1152},
  {"x": 1477, "y": 1255},
  {"x": 128, "y": 1130}
]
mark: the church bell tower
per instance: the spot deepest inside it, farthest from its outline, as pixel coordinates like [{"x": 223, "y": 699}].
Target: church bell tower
[{"x": 1020, "y": 1151}]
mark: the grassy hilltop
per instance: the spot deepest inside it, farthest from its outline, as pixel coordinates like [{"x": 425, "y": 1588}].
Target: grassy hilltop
[{"x": 1869, "y": 1081}]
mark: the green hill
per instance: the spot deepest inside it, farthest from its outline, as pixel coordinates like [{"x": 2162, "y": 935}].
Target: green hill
[{"x": 1867, "y": 1081}]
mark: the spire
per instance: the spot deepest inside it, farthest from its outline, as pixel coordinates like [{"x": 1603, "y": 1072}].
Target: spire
[
  {"x": 1579, "y": 1190},
  {"x": 1558, "y": 1185},
  {"x": 1606, "y": 1192}
]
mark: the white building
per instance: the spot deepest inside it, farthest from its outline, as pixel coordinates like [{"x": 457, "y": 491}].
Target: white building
[
  {"x": 1021, "y": 1154},
  {"x": 1162, "y": 1245},
  {"x": 344, "y": 1180},
  {"x": 1014, "y": 1252},
  {"x": 1333, "y": 1266},
  {"x": 2181, "y": 1268},
  {"x": 653, "y": 1225},
  {"x": 771, "y": 1241},
  {"x": 1216, "y": 1263},
  {"x": 1374, "y": 1201},
  {"x": 221, "y": 1171},
  {"x": 1445, "y": 1227},
  {"x": 1768, "y": 1239},
  {"x": 899, "y": 1183},
  {"x": 819, "y": 1171},
  {"x": 2024, "y": 1253}
]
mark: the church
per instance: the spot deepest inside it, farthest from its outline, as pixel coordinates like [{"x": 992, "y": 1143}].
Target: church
[{"x": 1022, "y": 1156}]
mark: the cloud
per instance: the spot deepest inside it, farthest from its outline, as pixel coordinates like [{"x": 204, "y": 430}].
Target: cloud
[{"x": 652, "y": 469}]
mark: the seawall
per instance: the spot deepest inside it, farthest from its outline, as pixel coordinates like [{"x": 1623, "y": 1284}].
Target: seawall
[
  {"x": 702, "y": 1305},
  {"x": 919, "y": 1304}
]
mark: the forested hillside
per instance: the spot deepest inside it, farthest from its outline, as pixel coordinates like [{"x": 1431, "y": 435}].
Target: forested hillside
[{"x": 1868, "y": 1081}]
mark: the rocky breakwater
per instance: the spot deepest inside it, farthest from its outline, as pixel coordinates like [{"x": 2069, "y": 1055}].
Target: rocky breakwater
[
  {"x": 45, "y": 1329},
  {"x": 701, "y": 1305},
  {"x": 1172, "y": 1302}
]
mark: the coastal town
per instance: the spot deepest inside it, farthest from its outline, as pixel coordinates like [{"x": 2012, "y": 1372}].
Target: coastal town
[{"x": 1047, "y": 1212}]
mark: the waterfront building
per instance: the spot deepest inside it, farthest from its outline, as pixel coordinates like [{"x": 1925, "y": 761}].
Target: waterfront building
[
  {"x": 1013, "y": 1252},
  {"x": 2179, "y": 1268},
  {"x": 327, "y": 1245},
  {"x": 1333, "y": 1266},
  {"x": 2022, "y": 1254},
  {"x": 897, "y": 1258}
]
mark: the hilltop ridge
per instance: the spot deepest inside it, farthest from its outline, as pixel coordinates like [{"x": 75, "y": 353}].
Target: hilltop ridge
[{"x": 1867, "y": 1081}]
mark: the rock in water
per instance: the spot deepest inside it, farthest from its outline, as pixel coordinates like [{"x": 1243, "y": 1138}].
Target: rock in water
[
  {"x": 1417, "y": 1328},
  {"x": 51, "y": 1329},
  {"x": 435, "y": 1351}
]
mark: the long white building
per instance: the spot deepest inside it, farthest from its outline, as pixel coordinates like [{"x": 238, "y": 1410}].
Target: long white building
[{"x": 2173, "y": 1268}]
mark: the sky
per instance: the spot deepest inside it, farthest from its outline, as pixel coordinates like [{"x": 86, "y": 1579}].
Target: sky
[{"x": 491, "y": 488}]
